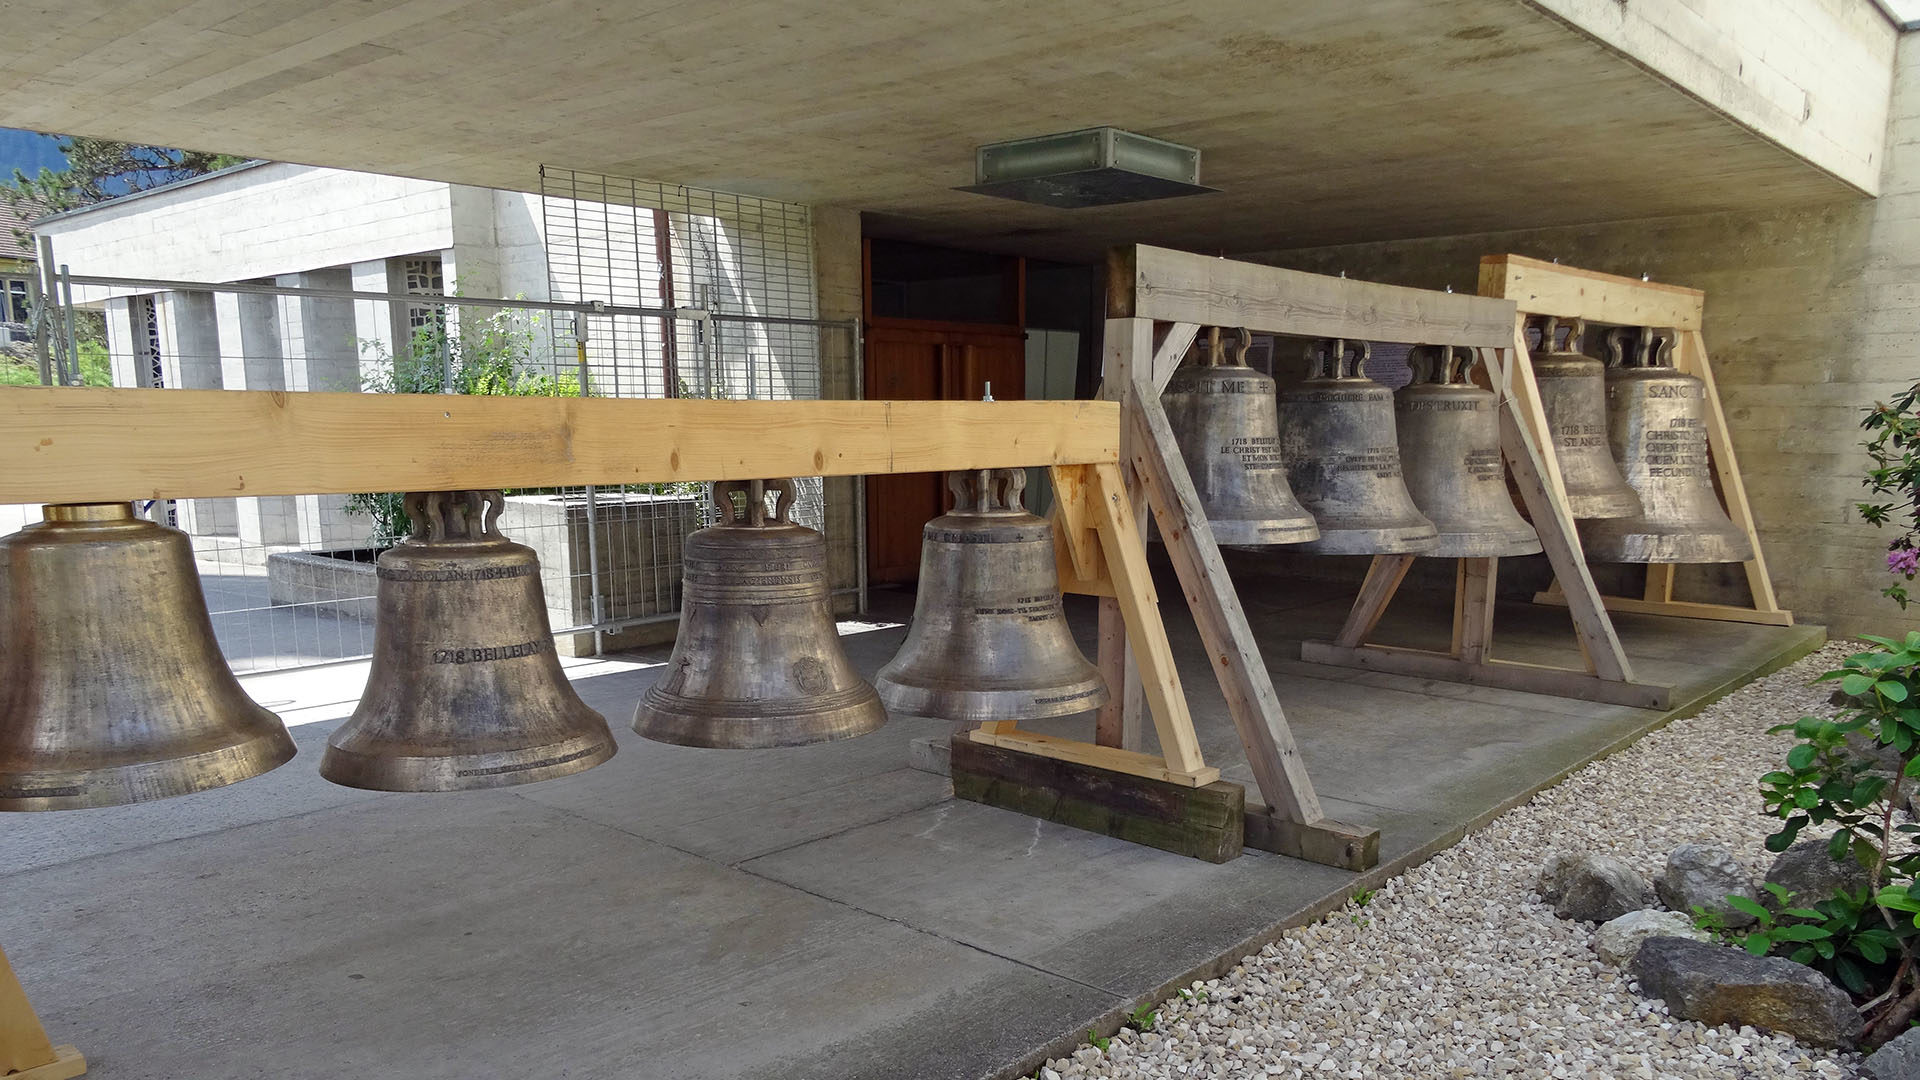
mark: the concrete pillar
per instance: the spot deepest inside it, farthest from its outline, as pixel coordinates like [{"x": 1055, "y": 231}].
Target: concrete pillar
[
  {"x": 373, "y": 321},
  {"x": 838, "y": 283},
  {"x": 121, "y": 353},
  {"x": 249, "y": 329},
  {"x": 318, "y": 341},
  {"x": 190, "y": 348}
]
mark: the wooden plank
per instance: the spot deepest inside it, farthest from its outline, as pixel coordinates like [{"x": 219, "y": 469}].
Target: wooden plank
[
  {"x": 1126, "y": 554},
  {"x": 1544, "y": 288},
  {"x": 1173, "y": 346},
  {"x": 1277, "y": 765},
  {"x": 1127, "y": 346},
  {"x": 1521, "y": 391},
  {"x": 1691, "y": 358},
  {"x": 1547, "y": 508},
  {"x": 1505, "y": 674},
  {"x": 1384, "y": 575},
  {"x": 1328, "y": 842},
  {"x": 1076, "y": 543},
  {"x": 1179, "y": 286},
  {"x": 1203, "y": 822},
  {"x": 23, "y": 1042},
  {"x": 1659, "y": 585},
  {"x": 100, "y": 445},
  {"x": 1474, "y": 591},
  {"x": 1113, "y": 759},
  {"x": 1680, "y": 609}
]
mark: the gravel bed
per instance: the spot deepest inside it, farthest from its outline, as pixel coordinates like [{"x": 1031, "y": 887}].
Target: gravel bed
[{"x": 1456, "y": 969}]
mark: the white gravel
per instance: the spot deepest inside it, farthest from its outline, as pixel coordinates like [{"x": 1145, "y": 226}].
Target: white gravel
[{"x": 1456, "y": 969}]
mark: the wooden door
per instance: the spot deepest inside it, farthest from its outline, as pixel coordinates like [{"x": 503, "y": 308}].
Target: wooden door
[{"x": 927, "y": 362}]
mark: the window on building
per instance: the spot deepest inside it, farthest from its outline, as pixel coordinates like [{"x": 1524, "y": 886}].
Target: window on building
[
  {"x": 13, "y": 299},
  {"x": 423, "y": 278}
]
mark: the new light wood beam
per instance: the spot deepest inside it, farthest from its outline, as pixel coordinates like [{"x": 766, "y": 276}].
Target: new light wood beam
[
  {"x": 1177, "y": 286},
  {"x": 99, "y": 445}
]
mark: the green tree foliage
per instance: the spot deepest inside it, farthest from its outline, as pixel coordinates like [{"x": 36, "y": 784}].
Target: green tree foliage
[
  {"x": 102, "y": 169},
  {"x": 1894, "y": 450}
]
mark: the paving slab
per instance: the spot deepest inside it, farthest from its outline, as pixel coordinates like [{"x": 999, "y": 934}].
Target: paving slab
[{"x": 820, "y": 911}]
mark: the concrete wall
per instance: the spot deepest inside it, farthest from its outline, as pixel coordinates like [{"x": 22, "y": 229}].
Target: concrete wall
[
  {"x": 838, "y": 282},
  {"x": 254, "y": 222},
  {"x": 1812, "y": 315},
  {"x": 1813, "y": 75}
]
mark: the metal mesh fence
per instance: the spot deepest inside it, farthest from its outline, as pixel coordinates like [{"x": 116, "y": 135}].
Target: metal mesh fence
[{"x": 700, "y": 295}]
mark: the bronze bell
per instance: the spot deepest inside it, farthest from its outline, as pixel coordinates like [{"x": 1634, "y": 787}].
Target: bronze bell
[
  {"x": 1450, "y": 450},
  {"x": 1657, "y": 424},
  {"x": 1573, "y": 395},
  {"x": 112, "y": 687},
  {"x": 758, "y": 661},
  {"x": 989, "y": 639},
  {"x": 465, "y": 690},
  {"x": 1343, "y": 458},
  {"x": 1225, "y": 419}
]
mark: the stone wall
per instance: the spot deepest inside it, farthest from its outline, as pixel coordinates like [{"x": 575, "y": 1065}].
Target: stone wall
[{"x": 1812, "y": 315}]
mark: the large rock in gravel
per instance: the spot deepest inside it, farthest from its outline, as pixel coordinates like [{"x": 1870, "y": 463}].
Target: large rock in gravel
[
  {"x": 1703, "y": 876},
  {"x": 1899, "y": 1059},
  {"x": 1593, "y": 888},
  {"x": 1719, "y": 984},
  {"x": 1618, "y": 940},
  {"x": 1810, "y": 875}
]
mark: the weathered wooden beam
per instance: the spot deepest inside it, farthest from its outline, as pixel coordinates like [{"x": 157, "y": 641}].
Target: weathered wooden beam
[
  {"x": 1178, "y": 286},
  {"x": 1505, "y": 674},
  {"x": 1328, "y": 842},
  {"x": 1206, "y": 822},
  {"x": 98, "y": 445},
  {"x": 1544, "y": 288}
]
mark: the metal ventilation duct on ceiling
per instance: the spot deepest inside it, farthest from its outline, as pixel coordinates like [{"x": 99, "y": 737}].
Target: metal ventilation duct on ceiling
[{"x": 1092, "y": 167}]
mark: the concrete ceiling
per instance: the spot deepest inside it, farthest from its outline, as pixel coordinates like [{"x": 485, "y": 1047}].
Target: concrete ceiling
[{"x": 1323, "y": 121}]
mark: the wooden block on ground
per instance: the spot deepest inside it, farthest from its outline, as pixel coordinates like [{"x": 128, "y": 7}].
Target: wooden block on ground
[
  {"x": 1328, "y": 842},
  {"x": 67, "y": 1063},
  {"x": 1206, "y": 822}
]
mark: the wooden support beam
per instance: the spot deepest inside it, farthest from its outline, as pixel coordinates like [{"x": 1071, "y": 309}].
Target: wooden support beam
[
  {"x": 60, "y": 444},
  {"x": 1126, "y": 553},
  {"x": 1206, "y": 821},
  {"x": 1328, "y": 842},
  {"x": 1112, "y": 759},
  {"x": 1679, "y": 609},
  {"x": 1545, "y": 288},
  {"x": 25, "y": 1051},
  {"x": 1505, "y": 674},
  {"x": 1691, "y": 358},
  {"x": 1276, "y": 762},
  {"x": 1384, "y": 575},
  {"x": 1178, "y": 286},
  {"x": 1473, "y": 601}
]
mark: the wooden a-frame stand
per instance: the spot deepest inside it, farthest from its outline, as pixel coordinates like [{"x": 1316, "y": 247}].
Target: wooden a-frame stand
[
  {"x": 1543, "y": 288},
  {"x": 1188, "y": 291}
]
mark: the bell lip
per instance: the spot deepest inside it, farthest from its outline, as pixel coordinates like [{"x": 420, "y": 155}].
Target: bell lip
[
  {"x": 1471, "y": 545},
  {"x": 656, "y": 718},
  {"x": 255, "y": 755},
  {"x": 1676, "y": 544},
  {"x": 423, "y": 773},
  {"x": 85, "y": 512},
  {"x": 1401, "y": 540},
  {"x": 907, "y": 699},
  {"x": 1270, "y": 532}
]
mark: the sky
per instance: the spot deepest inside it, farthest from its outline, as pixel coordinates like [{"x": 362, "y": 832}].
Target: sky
[{"x": 27, "y": 151}]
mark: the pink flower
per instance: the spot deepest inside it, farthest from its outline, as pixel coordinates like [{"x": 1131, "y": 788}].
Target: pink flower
[{"x": 1903, "y": 561}]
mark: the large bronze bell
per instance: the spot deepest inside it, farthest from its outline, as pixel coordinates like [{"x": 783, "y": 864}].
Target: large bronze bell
[
  {"x": 466, "y": 690},
  {"x": 1343, "y": 458},
  {"x": 112, "y": 687},
  {"x": 1225, "y": 419},
  {"x": 1450, "y": 450},
  {"x": 1656, "y": 422},
  {"x": 1573, "y": 395},
  {"x": 989, "y": 639},
  {"x": 758, "y": 661}
]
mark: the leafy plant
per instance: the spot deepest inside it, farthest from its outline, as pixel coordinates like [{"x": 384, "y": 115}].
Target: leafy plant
[
  {"x": 1863, "y": 939},
  {"x": 1100, "y": 1042},
  {"x": 494, "y": 355},
  {"x": 1363, "y": 897},
  {"x": 1894, "y": 450},
  {"x": 1142, "y": 1019}
]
